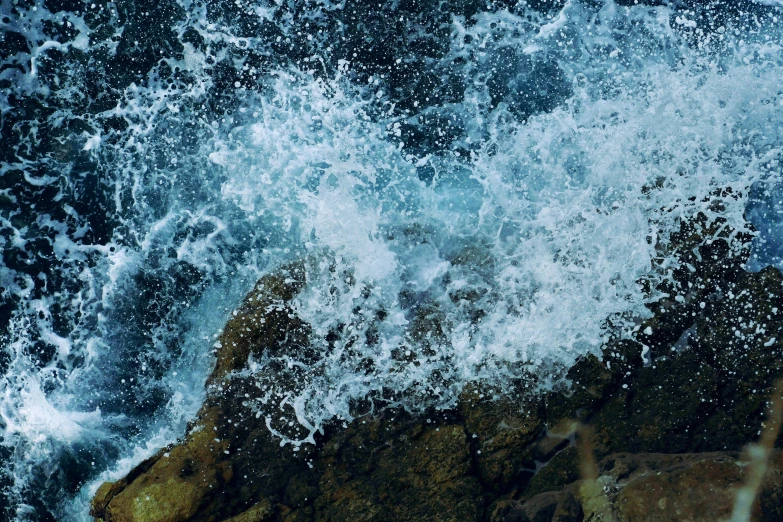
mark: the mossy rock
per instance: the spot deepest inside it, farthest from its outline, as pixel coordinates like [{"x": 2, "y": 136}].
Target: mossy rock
[
  {"x": 704, "y": 387},
  {"x": 560, "y": 471}
]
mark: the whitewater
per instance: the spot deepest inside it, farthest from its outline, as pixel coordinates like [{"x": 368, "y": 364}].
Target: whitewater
[{"x": 477, "y": 191}]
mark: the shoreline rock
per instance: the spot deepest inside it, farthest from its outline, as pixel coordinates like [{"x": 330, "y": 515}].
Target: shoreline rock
[{"x": 665, "y": 429}]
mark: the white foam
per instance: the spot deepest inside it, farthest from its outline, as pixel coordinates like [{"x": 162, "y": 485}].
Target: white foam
[
  {"x": 39, "y": 420},
  {"x": 557, "y": 202}
]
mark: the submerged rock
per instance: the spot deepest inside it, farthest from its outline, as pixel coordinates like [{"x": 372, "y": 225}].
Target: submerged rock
[{"x": 668, "y": 407}]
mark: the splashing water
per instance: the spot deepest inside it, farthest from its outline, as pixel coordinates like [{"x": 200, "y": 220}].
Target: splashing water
[{"x": 475, "y": 189}]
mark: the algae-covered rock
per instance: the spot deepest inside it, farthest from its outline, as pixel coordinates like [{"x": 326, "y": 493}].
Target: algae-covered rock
[
  {"x": 700, "y": 490},
  {"x": 698, "y": 487},
  {"x": 502, "y": 430},
  {"x": 214, "y": 472},
  {"x": 694, "y": 378},
  {"x": 258, "y": 513},
  {"x": 381, "y": 470}
]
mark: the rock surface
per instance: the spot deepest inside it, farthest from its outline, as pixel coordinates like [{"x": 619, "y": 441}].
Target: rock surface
[
  {"x": 635, "y": 438},
  {"x": 654, "y": 487}
]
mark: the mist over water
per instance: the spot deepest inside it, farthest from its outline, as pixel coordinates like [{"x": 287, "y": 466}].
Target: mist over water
[{"x": 474, "y": 188}]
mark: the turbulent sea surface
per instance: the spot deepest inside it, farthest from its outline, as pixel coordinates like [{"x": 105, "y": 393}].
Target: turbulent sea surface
[{"x": 479, "y": 190}]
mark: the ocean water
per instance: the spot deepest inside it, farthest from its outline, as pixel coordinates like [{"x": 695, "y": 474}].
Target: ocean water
[{"x": 475, "y": 188}]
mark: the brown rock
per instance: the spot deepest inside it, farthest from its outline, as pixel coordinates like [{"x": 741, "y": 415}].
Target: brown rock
[
  {"x": 176, "y": 483},
  {"x": 258, "y": 513},
  {"x": 551, "y": 506},
  {"x": 257, "y": 325},
  {"x": 702, "y": 491},
  {"x": 559, "y": 472},
  {"x": 477, "y": 463},
  {"x": 213, "y": 473},
  {"x": 418, "y": 473},
  {"x": 652, "y": 487},
  {"x": 504, "y": 430}
]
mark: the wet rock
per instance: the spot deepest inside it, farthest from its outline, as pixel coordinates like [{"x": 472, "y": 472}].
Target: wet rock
[
  {"x": 230, "y": 467},
  {"x": 213, "y": 473},
  {"x": 258, "y": 513},
  {"x": 502, "y": 430},
  {"x": 260, "y": 323},
  {"x": 669, "y": 404},
  {"x": 195, "y": 479},
  {"x": 710, "y": 392},
  {"x": 653, "y": 487},
  {"x": 556, "y": 474},
  {"x": 378, "y": 471},
  {"x": 685, "y": 487},
  {"x": 552, "y": 506},
  {"x": 703, "y": 489}
]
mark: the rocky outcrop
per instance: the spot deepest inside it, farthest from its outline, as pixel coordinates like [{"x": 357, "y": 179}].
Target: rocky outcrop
[
  {"x": 636, "y": 437},
  {"x": 654, "y": 487}
]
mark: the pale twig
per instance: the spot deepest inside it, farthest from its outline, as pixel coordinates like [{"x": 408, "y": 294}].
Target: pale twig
[
  {"x": 759, "y": 458},
  {"x": 594, "y": 501}
]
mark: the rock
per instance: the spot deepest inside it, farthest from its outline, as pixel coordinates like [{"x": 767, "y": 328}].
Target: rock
[
  {"x": 213, "y": 473},
  {"x": 698, "y": 487},
  {"x": 229, "y": 466},
  {"x": 258, "y": 513},
  {"x": 563, "y": 505},
  {"x": 702, "y": 395},
  {"x": 702, "y": 489},
  {"x": 654, "y": 487},
  {"x": 503, "y": 430},
  {"x": 378, "y": 471},
  {"x": 259, "y": 323},
  {"x": 665, "y": 428},
  {"x": 560, "y": 471}
]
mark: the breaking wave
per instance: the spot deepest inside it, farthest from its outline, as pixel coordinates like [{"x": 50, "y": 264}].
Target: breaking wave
[{"x": 476, "y": 189}]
